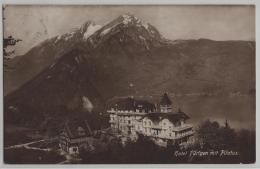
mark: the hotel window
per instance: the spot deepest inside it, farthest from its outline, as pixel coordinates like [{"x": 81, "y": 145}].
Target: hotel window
[{"x": 150, "y": 123}]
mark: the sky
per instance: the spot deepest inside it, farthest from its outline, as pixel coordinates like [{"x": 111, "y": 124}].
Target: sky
[{"x": 34, "y": 24}]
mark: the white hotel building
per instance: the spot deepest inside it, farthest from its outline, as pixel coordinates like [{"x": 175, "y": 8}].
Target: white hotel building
[{"x": 130, "y": 117}]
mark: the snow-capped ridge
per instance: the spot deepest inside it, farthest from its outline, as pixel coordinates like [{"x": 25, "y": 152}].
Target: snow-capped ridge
[
  {"x": 129, "y": 18},
  {"x": 65, "y": 36},
  {"x": 85, "y": 26},
  {"x": 105, "y": 31},
  {"x": 88, "y": 29},
  {"x": 126, "y": 26},
  {"x": 91, "y": 30}
]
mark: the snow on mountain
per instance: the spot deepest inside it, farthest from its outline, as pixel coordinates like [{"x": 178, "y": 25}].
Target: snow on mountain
[
  {"x": 65, "y": 36},
  {"x": 144, "y": 41},
  {"x": 85, "y": 31},
  {"x": 128, "y": 18},
  {"x": 105, "y": 31},
  {"x": 92, "y": 28},
  {"x": 130, "y": 26}
]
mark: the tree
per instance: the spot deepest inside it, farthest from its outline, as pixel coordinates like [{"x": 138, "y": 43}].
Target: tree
[
  {"x": 214, "y": 136},
  {"x": 208, "y": 134},
  {"x": 8, "y": 41}
]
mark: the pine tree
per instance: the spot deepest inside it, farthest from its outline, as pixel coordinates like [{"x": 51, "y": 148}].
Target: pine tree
[{"x": 8, "y": 41}]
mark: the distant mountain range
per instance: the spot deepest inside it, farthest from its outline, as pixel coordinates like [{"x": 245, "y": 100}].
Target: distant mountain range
[{"x": 90, "y": 65}]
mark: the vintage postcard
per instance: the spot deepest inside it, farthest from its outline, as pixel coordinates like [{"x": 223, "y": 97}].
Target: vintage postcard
[{"x": 129, "y": 84}]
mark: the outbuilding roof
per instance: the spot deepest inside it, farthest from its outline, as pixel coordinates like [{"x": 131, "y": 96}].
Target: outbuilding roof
[{"x": 77, "y": 128}]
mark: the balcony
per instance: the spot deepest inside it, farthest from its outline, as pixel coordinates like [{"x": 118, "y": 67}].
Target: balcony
[
  {"x": 173, "y": 137},
  {"x": 157, "y": 127},
  {"x": 111, "y": 111},
  {"x": 181, "y": 128},
  {"x": 189, "y": 133}
]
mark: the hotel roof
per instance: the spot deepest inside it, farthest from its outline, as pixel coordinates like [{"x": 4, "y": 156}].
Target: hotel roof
[{"x": 133, "y": 104}]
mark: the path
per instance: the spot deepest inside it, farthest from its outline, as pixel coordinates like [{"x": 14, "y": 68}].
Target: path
[{"x": 27, "y": 146}]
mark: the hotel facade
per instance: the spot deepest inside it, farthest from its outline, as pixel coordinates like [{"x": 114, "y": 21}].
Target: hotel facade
[{"x": 130, "y": 117}]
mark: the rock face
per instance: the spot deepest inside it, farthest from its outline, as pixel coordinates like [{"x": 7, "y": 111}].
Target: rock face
[{"x": 81, "y": 70}]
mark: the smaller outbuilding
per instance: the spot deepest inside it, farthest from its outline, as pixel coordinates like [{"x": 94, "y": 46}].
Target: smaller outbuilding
[{"x": 76, "y": 134}]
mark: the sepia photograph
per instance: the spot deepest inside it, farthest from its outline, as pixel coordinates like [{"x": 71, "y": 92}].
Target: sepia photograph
[{"x": 129, "y": 84}]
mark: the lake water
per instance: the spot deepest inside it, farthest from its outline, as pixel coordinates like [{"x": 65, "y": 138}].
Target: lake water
[{"x": 238, "y": 110}]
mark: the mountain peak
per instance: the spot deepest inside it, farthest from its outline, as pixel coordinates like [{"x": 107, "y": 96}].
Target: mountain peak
[
  {"x": 126, "y": 28},
  {"x": 130, "y": 21},
  {"x": 128, "y": 18}
]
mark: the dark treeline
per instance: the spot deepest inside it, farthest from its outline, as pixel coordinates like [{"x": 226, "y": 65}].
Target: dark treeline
[{"x": 210, "y": 136}]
